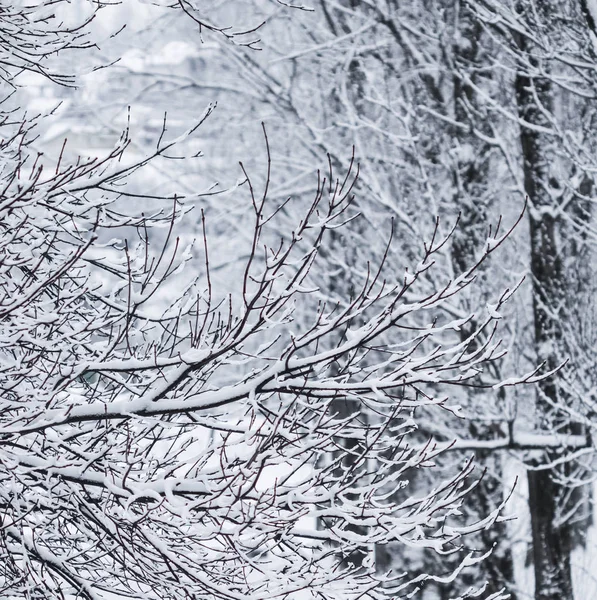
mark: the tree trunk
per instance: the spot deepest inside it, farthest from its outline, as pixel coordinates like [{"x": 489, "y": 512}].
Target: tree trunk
[
  {"x": 471, "y": 177},
  {"x": 551, "y": 541}
]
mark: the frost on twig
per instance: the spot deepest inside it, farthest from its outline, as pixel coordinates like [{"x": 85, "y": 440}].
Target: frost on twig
[
  {"x": 188, "y": 450},
  {"x": 178, "y": 454}
]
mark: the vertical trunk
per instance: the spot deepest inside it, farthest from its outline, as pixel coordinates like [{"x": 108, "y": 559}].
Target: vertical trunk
[
  {"x": 551, "y": 544},
  {"x": 551, "y": 541},
  {"x": 471, "y": 177}
]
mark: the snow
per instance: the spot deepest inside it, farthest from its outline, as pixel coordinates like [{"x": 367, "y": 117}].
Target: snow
[{"x": 241, "y": 436}]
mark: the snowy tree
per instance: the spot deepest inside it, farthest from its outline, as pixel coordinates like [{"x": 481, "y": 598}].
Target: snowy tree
[
  {"x": 163, "y": 437},
  {"x": 465, "y": 105}
]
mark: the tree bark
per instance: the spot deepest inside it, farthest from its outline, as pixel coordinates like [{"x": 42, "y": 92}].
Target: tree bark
[{"x": 551, "y": 541}]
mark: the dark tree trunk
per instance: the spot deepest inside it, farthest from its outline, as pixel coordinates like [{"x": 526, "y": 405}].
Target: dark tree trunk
[{"x": 551, "y": 541}]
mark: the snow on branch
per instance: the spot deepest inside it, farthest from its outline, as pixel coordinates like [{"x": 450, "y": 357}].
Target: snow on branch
[
  {"x": 194, "y": 448},
  {"x": 189, "y": 452}
]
